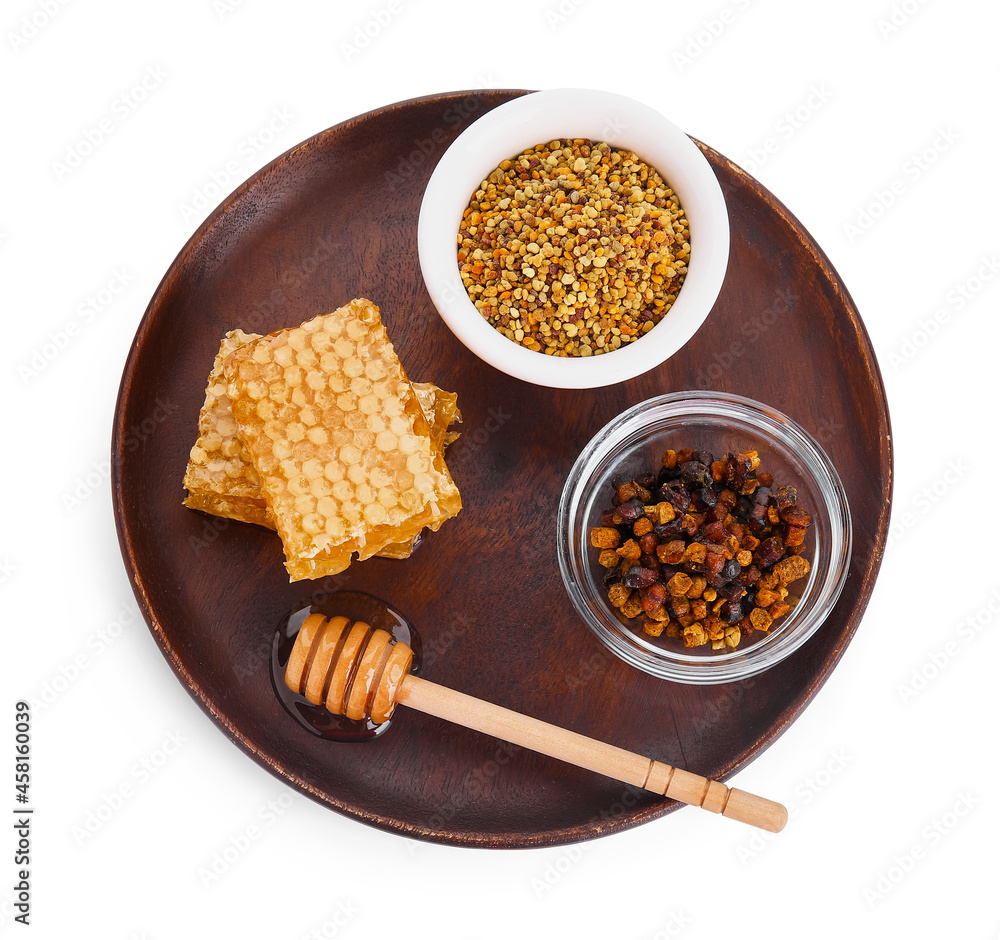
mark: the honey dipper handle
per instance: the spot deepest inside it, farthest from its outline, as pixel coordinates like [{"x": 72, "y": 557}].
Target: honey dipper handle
[{"x": 593, "y": 755}]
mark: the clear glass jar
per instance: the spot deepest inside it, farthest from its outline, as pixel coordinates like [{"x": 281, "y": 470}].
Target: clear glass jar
[{"x": 633, "y": 444}]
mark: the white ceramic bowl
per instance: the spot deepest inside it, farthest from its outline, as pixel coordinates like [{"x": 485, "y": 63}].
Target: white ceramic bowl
[{"x": 569, "y": 113}]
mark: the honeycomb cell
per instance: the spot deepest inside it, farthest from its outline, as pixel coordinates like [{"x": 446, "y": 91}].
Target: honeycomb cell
[
  {"x": 333, "y": 418},
  {"x": 366, "y": 441},
  {"x": 409, "y": 443},
  {"x": 379, "y": 477},
  {"x": 304, "y": 504},
  {"x": 417, "y": 463},
  {"x": 423, "y": 483},
  {"x": 368, "y": 404},
  {"x": 386, "y": 441},
  {"x": 343, "y": 489},
  {"x": 303, "y": 450},
  {"x": 321, "y": 342},
  {"x": 284, "y": 356},
  {"x": 356, "y": 421},
  {"x": 313, "y": 523},
  {"x": 350, "y": 454},
  {"x": 361, "y": 385},
  {"x": 313, "y": 468},
  {"x": 320, "y": 487},
  {"x": 298, "y": 485}
]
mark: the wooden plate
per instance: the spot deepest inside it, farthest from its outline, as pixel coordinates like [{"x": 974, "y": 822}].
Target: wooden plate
[{"x": 335, "y": 218}]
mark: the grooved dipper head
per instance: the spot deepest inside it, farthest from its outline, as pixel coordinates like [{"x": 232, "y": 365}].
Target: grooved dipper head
[{"x": 348, "y": 666}]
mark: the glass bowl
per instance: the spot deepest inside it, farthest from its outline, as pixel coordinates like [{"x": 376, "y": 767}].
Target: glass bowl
[
  {"x": 543, "y": 116},
  {"x": 633, "y": 444}
]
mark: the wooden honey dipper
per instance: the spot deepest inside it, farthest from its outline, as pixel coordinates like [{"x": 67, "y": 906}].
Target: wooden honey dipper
[{"x": 361, "y": 672}]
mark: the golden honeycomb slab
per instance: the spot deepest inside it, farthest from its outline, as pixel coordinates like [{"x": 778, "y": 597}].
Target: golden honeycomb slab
[{"x": 337, "y": 436}]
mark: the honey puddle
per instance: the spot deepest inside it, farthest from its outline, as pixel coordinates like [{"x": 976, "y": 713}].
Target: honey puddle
[{"x": 356, "y": 606}]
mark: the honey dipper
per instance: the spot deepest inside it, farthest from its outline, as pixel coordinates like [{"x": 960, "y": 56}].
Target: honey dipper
[{"x": 362, "y": 672}]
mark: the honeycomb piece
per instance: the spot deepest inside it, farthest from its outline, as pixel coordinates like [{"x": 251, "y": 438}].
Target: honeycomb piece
[
  {"x": 337, "y": 436},
  {"x": 238, "y": 495},
  {"x": 219, "y": 478}
]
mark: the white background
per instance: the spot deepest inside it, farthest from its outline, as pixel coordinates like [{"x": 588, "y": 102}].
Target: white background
[{"x": 883, "y": 117}]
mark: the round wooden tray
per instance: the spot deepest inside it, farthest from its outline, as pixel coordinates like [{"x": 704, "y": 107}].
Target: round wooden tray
[{"x": 335, "y": 218}]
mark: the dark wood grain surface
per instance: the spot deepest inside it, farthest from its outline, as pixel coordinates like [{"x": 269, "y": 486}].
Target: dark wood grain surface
[{"x": 335, "y": 218}]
